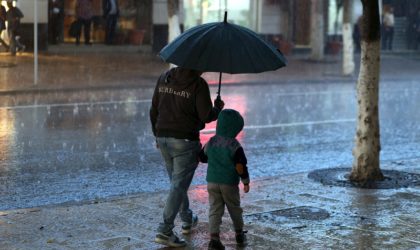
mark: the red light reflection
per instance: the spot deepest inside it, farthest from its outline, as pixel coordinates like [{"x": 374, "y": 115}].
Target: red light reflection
[
  {"x": 214, "y": 82},
  {"x": 212, "y": 78},
  {"x": 199, "y": 194}
]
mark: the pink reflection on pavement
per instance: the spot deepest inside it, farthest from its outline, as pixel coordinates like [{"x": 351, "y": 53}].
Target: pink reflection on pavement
[{"x": 199, "y": 194}]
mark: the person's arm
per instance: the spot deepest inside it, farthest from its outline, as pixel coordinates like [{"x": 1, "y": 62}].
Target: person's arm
[
  {"x": 206, "y": 112},
  {"x": 241, "y": 168},
  {"x": 217, "y": 108},
  {"x": 154, "y": 108}
]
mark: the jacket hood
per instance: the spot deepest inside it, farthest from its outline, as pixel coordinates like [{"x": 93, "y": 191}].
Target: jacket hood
[
  {"x": 181, "y": 77},
  {"x": 229, "y": 123}
]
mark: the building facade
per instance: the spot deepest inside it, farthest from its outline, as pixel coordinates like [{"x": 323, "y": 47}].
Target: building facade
[
  {"x": 145, "y": 22},
  {"x": 27, "y": 22}
]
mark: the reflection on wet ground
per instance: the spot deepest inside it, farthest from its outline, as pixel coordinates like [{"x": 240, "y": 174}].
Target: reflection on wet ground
[{"x": 81, "y": 145}]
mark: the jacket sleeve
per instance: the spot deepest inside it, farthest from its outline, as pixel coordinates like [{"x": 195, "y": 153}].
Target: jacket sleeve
[
  {"x": 214, "y": 113},
  {"x": 154, "y": 108},
  {"x": 206, "y": 112},
  {"x": 240, "y": 165}
]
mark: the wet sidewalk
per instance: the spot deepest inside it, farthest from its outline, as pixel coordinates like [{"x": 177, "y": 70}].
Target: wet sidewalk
[
  {"x": 286, "y": 212},
  {"x": 68, "y": 67}
]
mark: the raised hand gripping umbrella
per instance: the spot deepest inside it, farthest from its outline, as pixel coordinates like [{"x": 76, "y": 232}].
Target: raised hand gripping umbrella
[{"x": 222, "y": 47}]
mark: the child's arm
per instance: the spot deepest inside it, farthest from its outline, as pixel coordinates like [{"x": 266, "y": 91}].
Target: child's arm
[{"x": 241, "y": 168}]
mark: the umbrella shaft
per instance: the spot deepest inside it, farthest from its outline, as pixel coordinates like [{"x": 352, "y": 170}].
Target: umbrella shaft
[{"x": 220, "y": 84}]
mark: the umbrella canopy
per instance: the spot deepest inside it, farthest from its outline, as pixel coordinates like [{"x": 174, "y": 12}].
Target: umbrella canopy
[{"x": 222, "y": 47}]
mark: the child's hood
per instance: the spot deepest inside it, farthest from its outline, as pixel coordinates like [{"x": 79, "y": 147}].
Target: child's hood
[{"x": 229, "y": 123}]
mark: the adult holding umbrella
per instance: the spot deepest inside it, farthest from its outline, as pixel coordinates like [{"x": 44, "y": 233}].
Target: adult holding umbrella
[{"x": 181, "y": 105}]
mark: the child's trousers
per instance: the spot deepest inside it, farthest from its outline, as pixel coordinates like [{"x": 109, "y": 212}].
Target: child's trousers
[{"x": 219, "y": 196}]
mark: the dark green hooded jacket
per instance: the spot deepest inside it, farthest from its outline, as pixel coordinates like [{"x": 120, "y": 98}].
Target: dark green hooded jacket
[{"x": 224, "y": 152}]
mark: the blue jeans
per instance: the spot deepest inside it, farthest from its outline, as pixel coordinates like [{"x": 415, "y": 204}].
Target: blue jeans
[{"x": 181, "y": 160}]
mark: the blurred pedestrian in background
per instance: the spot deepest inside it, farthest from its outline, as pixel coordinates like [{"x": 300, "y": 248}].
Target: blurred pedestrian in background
[
  {"x": 111, "y": 12},
  {"x": 56, "y": 15},
  {"x": 13, "y": 16},
  {"x": 3, "y": 26},
  {"x": 84, "y": 13},
  {"x": 356, "y": 35},
  {"x": 388, "y": 22}
]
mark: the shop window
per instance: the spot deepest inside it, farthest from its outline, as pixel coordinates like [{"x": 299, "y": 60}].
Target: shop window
[{"x": 128, "y": 30}]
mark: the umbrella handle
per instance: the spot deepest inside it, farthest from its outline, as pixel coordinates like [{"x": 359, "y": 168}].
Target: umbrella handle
[{"x": 220, "y": 84}]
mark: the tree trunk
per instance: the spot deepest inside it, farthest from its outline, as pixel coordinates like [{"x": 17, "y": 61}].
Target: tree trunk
[
  {"x": 317, "y": 30},
  {"x": 173, "y": 20},
  {"x": 367, "y": 142},
  {"x": 348, "y": 48}
]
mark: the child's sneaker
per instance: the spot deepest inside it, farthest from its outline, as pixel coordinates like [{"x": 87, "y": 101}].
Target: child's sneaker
[
  {"x": 216, "y": 245},
  {"x": 241, "y": 238},
  {"x": 169, "y": 240},
  {"x": 187, "y": 227}
]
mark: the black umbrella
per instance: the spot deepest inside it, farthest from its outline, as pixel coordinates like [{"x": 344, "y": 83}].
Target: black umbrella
[{"x": 222, "y": 47}]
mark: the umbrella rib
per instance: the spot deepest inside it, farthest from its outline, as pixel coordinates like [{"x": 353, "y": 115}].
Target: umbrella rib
[
  {"x": 208, "y": 44},
  {"x": 223, "y": 47},
  {"x": 262, "y": 44},
  {"x": 238, "y": 32},
  {"x": 265, "y": 44},
  {"x": 199, "y": 39},
  {"x": 184, "y": 38}
]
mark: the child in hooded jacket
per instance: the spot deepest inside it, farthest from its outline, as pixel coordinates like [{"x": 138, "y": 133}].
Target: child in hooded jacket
[{"x": 226, "y": 167}]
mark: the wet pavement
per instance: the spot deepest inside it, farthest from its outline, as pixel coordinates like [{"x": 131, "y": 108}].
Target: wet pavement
[
  {"x": 285, "y": 212},
  {"x": 79, "y": 168}
]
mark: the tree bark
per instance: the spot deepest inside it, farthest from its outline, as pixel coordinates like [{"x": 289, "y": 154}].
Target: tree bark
[
  {"x": 366, "y": 162},
  {"x": 348, "y": 48},
  {"x": 317, "y": 30},
  {"x": 173, "y": 20}
]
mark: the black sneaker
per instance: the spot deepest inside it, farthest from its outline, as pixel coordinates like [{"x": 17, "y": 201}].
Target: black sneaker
[
  {"x": 241, "y": 238},
  {"x": 169, "y": 240},
  {"x": 216, "y": 245},
  {"x": 187, "y": 227}
]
